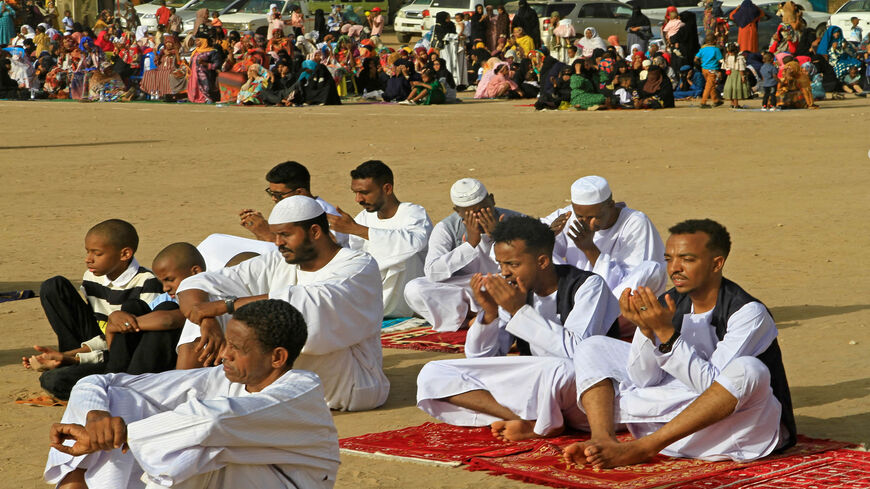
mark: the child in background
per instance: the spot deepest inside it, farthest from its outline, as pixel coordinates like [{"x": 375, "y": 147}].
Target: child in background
[
  {"x": 855, "y": 33},
  {"x": 67, "y": 21},
  {"x": 768, "y": 82},
  {"x": 175, "y": 24},
  {"x": 816, "y": 87},
  {"x": 625, "y": 96},
  {"x": 113, "y": 278},
  {"x": 216, "y": 20},
  {"x": 736, "y": 88},
  {"x": 851, "y": 82}
]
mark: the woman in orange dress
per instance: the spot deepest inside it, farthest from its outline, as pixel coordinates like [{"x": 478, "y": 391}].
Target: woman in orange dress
[{"x": 746, "y": 16}]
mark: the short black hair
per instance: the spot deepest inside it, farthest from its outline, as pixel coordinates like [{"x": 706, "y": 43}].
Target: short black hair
[
  {"x": 275, "y": 324},
  {"x": 720, "y": 240},
  {"x": 119, "y": 233},
  {"x": 535, "y": 234},
  {"x": 377, "y": 170},
  {"x": 184, "y": 256},
  {"x": 291, "y": 174}
]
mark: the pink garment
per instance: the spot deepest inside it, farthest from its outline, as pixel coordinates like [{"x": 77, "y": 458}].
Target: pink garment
[
  {"x": 491, "y": 82},
  {"x": 195, "y": 93}
]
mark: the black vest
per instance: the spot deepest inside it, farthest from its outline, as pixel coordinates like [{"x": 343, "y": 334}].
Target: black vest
[
  {"x": 570, "y": 279},
  {"x": 731, "y": 298}
]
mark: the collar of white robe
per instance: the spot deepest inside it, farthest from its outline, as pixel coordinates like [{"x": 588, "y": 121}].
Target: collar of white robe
[{"x": 296, "y": 208}]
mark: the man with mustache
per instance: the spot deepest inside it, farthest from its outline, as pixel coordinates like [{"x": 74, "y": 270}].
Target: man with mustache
[
  {"x": 599, "y": 235},
  {"x": 546, "y": 310},
  {"x": 337, "y": 290},
  {"x": 395, "y": 233},
  {"x": 703, "y": 377}
]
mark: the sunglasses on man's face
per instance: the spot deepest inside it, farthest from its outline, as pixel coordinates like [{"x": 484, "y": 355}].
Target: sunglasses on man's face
[{"x": 279, "y": 195}]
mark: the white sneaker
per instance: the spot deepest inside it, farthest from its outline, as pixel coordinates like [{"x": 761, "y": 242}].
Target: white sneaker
[
  {"x": 406, "y": 102},
  {"x": 764, "y": 109}
]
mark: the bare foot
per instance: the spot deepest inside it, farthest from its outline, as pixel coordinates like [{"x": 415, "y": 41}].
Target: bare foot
[
  {"x": 516, "y": 430},
  {"x": 611, "y": 453}
]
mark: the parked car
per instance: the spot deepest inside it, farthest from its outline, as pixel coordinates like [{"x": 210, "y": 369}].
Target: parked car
[
  {"x": 409, "y": 19},
  {"x": 360, "y": 6},
  {"x": 842, "y": 18},
  {"x": 655, "y": 9},
  {"x": 452, "y": 7},
  {"x": 147, "y": 11},
  {"x": 253, "y": 15},
  {"x": 219, "y": 6},
  {"x": 608, "y": 17}
]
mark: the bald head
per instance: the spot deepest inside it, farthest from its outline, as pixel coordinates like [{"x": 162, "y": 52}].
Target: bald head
[
  {"x": 117, "y": 233},
  {"x": 175, "y": 263},
  {"x": 181, "y": 256}
]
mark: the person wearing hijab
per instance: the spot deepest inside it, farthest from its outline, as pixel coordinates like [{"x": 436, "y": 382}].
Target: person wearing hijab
[
  {"x": 315, "y": 86},
  {"x": 528, "y": 20},
  {"x": 747, "y": 16},
  {"x": 657, "y": 91},
  {"x": 584, "y": 81},
  {"x": 370, "y": 78},
  {"x": 104, "y": 43},
  {"x": 320, "y": 23},
  {"x": 590, "y": 42},
  {"x": 840, "y": 52},
  {"x": 560, "y": 91},
  {"x": 204, "y": 62},
  {"x": 259, "y": 79},
  {"x": 479, "y": 24},
  {"x": 443, "y": 26},
  {"x": 7, "y": 26},
  {"x": 201, "y": 21},
  {"x": 638, "y": 29}
]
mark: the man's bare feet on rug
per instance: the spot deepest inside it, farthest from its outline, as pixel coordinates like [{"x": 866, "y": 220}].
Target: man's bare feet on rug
[
  {"x": 518, "y": 429},
  {"x": 575, "y": 453},
  {"x": 606, "y": 454}
]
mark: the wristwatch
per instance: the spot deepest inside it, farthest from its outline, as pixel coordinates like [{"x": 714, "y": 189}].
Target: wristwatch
[
  {"x": 230, "y": 302},
  {"x": 668, "y": 345}
]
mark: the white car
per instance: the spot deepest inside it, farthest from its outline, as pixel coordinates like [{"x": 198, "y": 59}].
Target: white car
[
  {"x": 147, "y": 12},
  {"x": 409, "y": 19},
  {"x": 812, "y": 17},
  {"x": 253, "y": 15},
  {"x": 842, "y": 18},
  {"x": 452, "y": 7},
  {"x": 219, "y": 6}
]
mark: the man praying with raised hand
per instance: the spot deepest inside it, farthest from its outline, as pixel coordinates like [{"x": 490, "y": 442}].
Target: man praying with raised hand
[{"x": 703, "y": 377}]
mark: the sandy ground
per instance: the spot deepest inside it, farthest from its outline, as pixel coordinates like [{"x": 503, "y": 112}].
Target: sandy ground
[{"x": 791, "y": 188}]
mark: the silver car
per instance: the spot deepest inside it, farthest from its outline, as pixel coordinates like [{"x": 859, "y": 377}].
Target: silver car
[{"x": 608, "y": 17}]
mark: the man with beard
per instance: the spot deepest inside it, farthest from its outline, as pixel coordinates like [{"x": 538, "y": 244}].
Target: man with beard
[
  {"x": 395, "y": 233},
  {"x": 703, "y": 377},
  {"x": 336, "y": 289}
]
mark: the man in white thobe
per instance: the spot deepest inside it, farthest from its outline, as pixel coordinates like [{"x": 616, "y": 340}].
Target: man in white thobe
[
  {"x": 595, "y": 233},
  {"x": 395, "y": 233},
  {"x": 285, "y": 179},
  {"x": 547, "y": 310},
  {"x": 703, "y": 377},
  {"x": 252, "y": 423},
  {"x": 338, "y": 290},
  {"x": 459, "y": 247}
]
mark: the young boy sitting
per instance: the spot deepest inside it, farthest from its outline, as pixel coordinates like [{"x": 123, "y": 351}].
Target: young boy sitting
[
  {"x": 113, "y": 278},
  {"x": 426, "y": 92}
]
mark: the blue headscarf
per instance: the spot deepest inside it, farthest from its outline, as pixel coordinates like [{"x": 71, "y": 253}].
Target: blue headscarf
[
  {"x": 85, "y": 42},
  {"x": 825, "y": 44},
  {"x": 308, "y": 64},
  {"x": 746, "y": 13}
]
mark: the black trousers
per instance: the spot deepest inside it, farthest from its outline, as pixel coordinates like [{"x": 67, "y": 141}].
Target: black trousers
[
  {"x": 145, "y": 351},
  {"x": 133, "y": 353},
  {"x": 70, "y": 317}
]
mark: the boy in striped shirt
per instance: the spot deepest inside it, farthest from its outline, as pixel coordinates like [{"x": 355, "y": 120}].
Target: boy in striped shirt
[{"x": 113, "y": 278}]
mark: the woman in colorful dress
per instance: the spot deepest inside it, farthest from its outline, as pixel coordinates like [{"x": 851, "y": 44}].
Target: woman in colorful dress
[{"x": 204, "y": 62}]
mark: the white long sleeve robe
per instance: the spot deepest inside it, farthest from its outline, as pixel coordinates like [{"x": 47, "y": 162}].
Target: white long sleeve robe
[
  {"x": 632, "y": 252},
  {"x": 654, "y": 387},
  {"x": 398, "y": 244},
  {"x": 540, "y": 387},
  {"x": 342, "y": 306},
  {"x": 196, "y": 429}
]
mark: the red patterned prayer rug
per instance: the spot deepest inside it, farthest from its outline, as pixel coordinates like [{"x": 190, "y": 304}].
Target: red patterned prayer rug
[
  {"x": 541, "y": 462},
  {"x": 424, "y": 338}
]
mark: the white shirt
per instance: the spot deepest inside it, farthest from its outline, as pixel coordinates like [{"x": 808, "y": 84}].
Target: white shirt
[
  {"x": 340, "y": 238},
  {"x": 343, "y": 308},
  {"x": 398, "y": 244},
  {"x": 192, "y": 422},
  {"x": 443, "y": 261},
  {"x": 631, "y": 240},
  {"x": 665, "y": 382},
  {"x": 595, "y": 310}
]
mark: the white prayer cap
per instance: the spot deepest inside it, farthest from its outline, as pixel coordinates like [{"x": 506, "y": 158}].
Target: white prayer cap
[
  {"x": 467, "y": 192},
  {"x": 296, "y": 208},
  {"x": 590, "y": 190}
]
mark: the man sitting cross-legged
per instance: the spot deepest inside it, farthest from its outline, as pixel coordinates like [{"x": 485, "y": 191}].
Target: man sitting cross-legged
[
  {"x": 548, "y": 310},
  {"x": 254, "y": 422},
  {"x": 703, "y": 377},
  {"x": 338, "y": 290}
]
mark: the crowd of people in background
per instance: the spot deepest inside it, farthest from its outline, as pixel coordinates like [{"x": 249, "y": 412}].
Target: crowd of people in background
[{"x": 489, "y": 51}]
